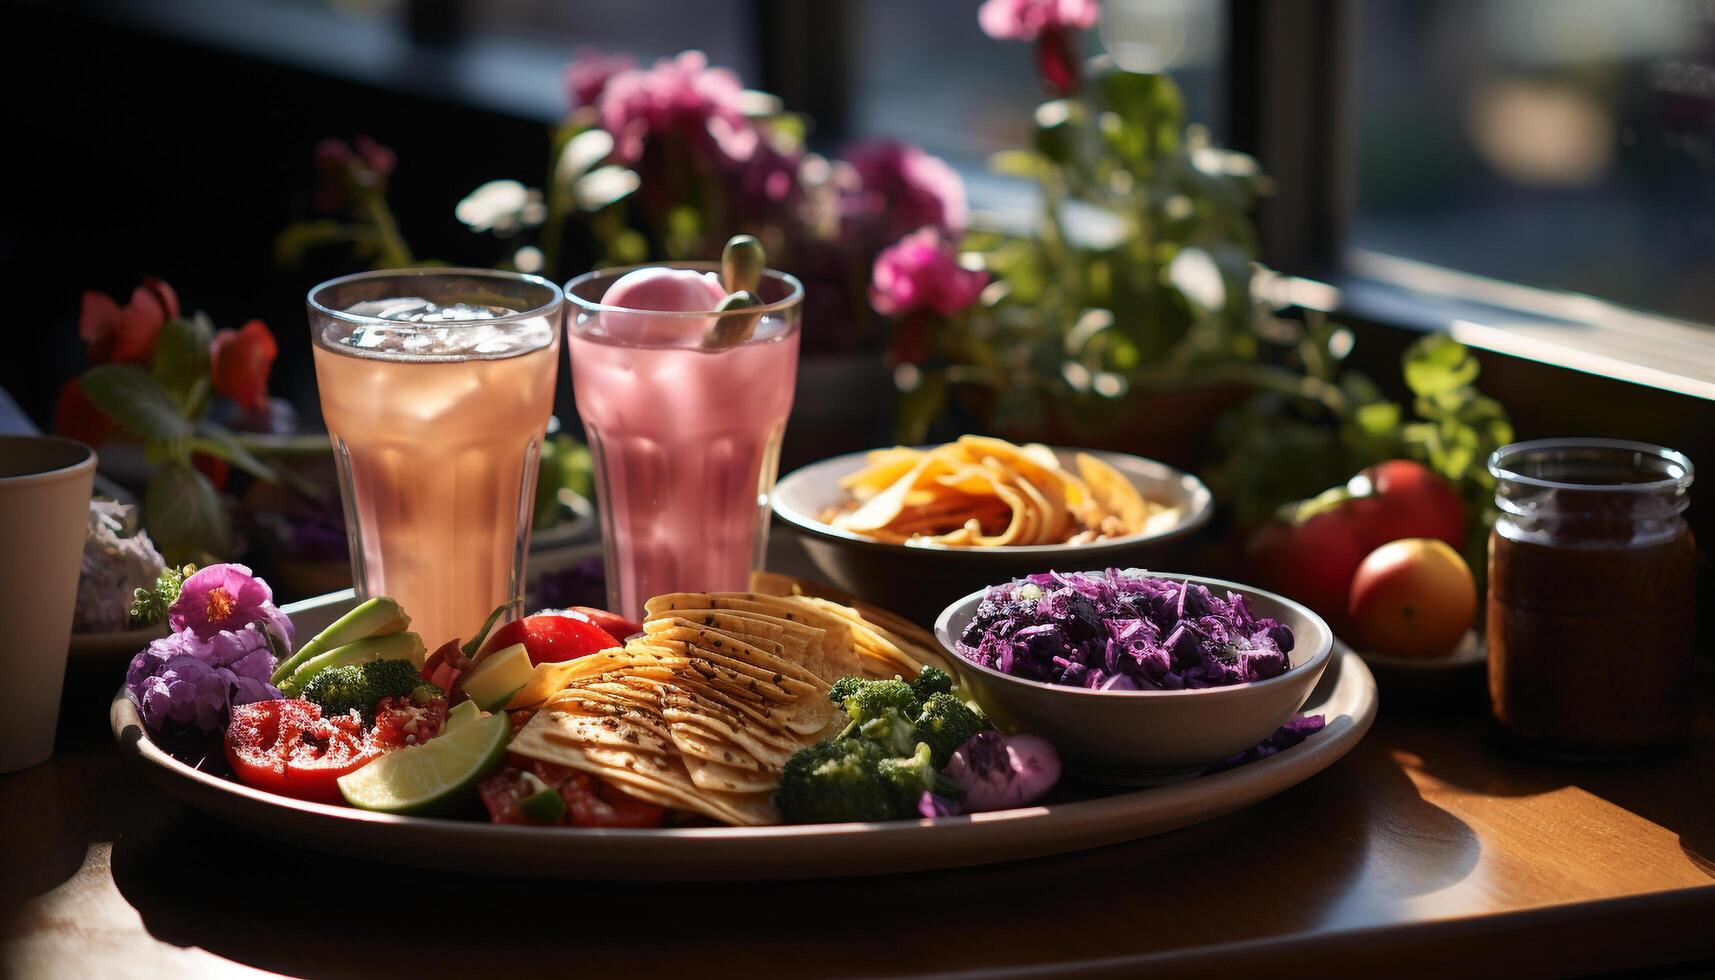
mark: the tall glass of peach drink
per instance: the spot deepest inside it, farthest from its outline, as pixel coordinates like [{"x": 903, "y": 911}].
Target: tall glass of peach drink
[{"x": 436, "y": 387}]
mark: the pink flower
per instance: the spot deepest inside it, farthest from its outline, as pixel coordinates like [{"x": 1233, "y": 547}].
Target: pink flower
[
  {"x": 590, "y": 71},
  {"x": 226, "y": 597},
  {"x": 682, "y": 95},
  {"x": 907, "y": 187},
  {"x": 1023, "y": 20},
  {"x": 921, "y": 272}
]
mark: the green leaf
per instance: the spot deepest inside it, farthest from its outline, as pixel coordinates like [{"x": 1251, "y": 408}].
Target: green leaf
[
  {"x": 1438, "y": 364},
  {"x": 1016, "y": 163},
  {"x": 181, "y": 356},
  {"x": 1377, "y": 420},
  {"x": 132, "y": 397},
  {"x": 215, "y": 440},
  {"x": 184, "y": 515},
  {"x": 1055, "y": 131},
  {"x": 1143, "y": 116}
]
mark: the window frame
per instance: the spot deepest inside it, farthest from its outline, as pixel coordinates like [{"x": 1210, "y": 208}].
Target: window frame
[{"x": 1292, "y": 103}]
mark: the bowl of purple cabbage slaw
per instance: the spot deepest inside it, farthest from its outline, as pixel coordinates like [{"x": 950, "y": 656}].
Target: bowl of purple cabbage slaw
[{"x": 1136, "y": 677}]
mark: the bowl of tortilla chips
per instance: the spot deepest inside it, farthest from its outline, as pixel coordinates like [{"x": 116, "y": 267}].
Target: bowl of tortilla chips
[{"x": 913, "y": 528}]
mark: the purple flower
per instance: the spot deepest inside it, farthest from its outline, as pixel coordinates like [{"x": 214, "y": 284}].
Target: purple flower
[
  {"x": 193, "y": 683},
  {"x": 905, "y": 188},
  {"x": 1024, "y": 20},
  {"x": 226, "y": 597},
  {"x": 590, "y": 71},
  {"x": 921, "y": 272},
  {"x": 677, "y": 95}
]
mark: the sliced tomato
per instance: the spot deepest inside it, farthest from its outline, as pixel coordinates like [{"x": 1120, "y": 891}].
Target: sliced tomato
[
  {"x": 552, "y": 637},
  {"x": 288, "y": 747},
  {"x": 616, "y": 625},
  {"x": 400, "y": 721}
]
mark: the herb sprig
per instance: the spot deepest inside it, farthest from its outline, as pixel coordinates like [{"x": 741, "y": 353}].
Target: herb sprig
[{"x": 149, "y": 606}]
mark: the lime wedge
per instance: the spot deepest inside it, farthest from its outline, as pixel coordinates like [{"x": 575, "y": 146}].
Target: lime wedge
[{"x": 441, "y": 771}]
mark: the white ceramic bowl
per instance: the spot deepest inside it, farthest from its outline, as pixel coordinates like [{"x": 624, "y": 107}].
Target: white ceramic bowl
[
  {"x": 916, "y": 581},
  {"x": 1142, "y": 737}
]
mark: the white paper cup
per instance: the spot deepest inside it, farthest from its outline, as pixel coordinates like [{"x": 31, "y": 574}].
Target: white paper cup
[{"x": 45, "y": 484}]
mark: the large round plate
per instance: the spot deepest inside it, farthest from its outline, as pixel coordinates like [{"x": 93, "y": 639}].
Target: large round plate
[{"x": 1346, "y": 695}]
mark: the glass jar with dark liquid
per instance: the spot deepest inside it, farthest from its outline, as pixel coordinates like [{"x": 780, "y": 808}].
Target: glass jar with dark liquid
[{"x": 1592, "y": 608}]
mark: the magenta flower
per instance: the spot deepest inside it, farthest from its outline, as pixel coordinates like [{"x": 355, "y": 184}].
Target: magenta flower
[
  {"x": 1024, "y": 20},
  {"x": 907, "y": 188},
  {"x": 226, "y": 597},
  {"x": 677, "y": 95},
  {"x": 193, "y": 683},
  {"x": 590, "y": 71},
  {"x": 921, "y": 272},
  {"x": 342, "y": 166}
]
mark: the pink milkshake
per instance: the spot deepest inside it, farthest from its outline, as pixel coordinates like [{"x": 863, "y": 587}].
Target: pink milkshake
[{"x": 685, "y": 436}]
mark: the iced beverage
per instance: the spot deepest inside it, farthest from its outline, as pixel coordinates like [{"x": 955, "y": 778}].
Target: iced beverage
[
  {"x": 436, "y": 389},
  {"x": 685, "y": 438}
]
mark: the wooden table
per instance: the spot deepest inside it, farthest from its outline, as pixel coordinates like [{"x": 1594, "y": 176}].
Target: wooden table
[{"x": 1427, "y": 850}]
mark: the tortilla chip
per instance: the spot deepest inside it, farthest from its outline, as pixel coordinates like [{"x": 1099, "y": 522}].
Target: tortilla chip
[{"x": 1114, "y": 492}]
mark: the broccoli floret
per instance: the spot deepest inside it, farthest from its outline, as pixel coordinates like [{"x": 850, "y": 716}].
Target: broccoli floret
[
  {"x": 931, "y": 681},
  {"x": 425, "y": 692},
  {"x": 835, "y": 781},
  {"x": 873, "y": 699},
  {"x": 844, "y": 688},
  {"x": 908, "y": 779},
  {"x": 945, "y": 724},
  {"x": 890, "y": 730},
  {"x": 340, "y": 689}
]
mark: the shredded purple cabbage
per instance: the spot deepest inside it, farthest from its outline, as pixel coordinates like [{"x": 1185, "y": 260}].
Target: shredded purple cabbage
[
  {"x": 1123, "y": 631},
  {"x": 1297, "y": 729}
]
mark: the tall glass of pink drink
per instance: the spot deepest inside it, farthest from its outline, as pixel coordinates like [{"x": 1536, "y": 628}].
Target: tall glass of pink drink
[
  {"x": 685, "y": 437},
  {"x": 436, "y": 387}
]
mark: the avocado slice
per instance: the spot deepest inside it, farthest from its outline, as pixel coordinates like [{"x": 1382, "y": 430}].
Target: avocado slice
[
  {"x": 394, "y": 646},
  {"x": 379, "y": 616},
  {"x": 501, "y": 674}
]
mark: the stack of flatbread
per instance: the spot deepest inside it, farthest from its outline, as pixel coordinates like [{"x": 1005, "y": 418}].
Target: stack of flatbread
[{"x": 700, "y": 712}]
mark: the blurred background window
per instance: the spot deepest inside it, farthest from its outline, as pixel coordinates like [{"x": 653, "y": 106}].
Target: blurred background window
[
  {"x": 646, "y": 29},
  {"x": 1562, "y": 144},
  {"x": 930, "y": 76}
]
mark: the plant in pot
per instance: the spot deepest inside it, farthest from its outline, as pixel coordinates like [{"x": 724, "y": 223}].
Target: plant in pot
[{"x": 1116, "y": 317}]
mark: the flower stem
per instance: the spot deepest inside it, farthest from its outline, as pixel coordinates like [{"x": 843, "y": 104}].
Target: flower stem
[{"x": 394, "y": 253}]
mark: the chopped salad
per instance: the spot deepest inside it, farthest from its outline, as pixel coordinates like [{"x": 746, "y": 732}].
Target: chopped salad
[{"x": 1123, "y": 631}]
